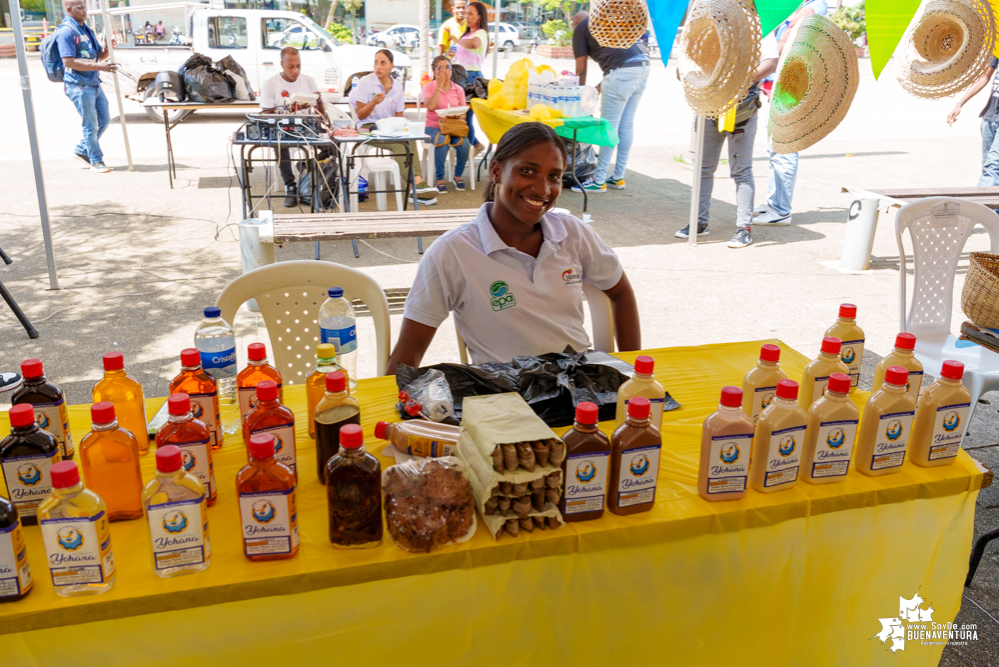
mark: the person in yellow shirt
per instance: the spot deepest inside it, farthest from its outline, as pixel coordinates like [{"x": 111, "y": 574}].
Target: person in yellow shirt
[{"x": 452, "y": 29}]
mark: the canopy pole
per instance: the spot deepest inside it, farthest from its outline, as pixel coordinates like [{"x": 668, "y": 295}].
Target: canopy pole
[
  {"x": 496, "y": 38},
  {"x": 36, "y": 160},
  {"x": 108, "y": 39},
  {"x": 695, "y": 187}
]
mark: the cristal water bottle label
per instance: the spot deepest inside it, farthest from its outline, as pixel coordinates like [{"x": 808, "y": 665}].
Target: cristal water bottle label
[
  {"x": 284, "y": 443},
  {"x": 639, "y": 472},
  {"x": 28, "y": 481},
  {"x": 783, "y": 456},
  {"x": 197, "y": 460},
  {"x": 270, "y": 522},
  {"x": 891, "y": 440},
  {"x": 54, "y": 418},
  {"x": 205, "y": 407},
  {"x": 220, "y": 364},
  {"x": 851, "y": 354},
  {"x": 949, "y": 425},
  {"x": 78, "y": 549},
  {"x": 15, "y": 573},
  {"x": 728, "y": 463},
  {"x": 762, "y": 398},
  {"x": 833, "y": 448},
  {"x": 586, "y": 482},
  {"x": 179, "y": 531},
  {"x": 344, "y": 339}
]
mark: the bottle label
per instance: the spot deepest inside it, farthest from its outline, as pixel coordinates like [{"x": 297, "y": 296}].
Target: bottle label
[
  {"x": 284, "y": 444},
  {"x": 197, "y": 460},
  {"x": 419, "y": 446},
  {"x": 78, "y": 549},
  {"x": 783, "y": 456},
  {"x": 762, "y": 398},
  {"x": 586, "y": 482},
  {"x": 28, "y": 481},
  {"x": 833, "y": 448},
  {"x": 220, "y": 364},
  {"x": 179, "y": 532},
  {"x": 728, "y": 463},
  {"x": 639, "y": 473},
  {"x": 270, "y": 522},
  {"x": 205, "y": 407},
  {"x": 819, "y": 389},
  {"x": 949, "y": 426},
  {"x": 344, "y": 339},
  {"x": 54, "y": 418},
  {"x": 891, "y": 440},
  {"x": 15, "y": 574},
  {"x": 912, "y": 386},
  {"x": 248, "y": 399},
  {"x": 656, "y": 406},
  {"x": 852, "y": 354}
]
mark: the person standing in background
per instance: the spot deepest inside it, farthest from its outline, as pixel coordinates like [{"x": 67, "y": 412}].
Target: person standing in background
[
  {"x": 472, "y": 47},
  {"x": 626, "y": 73},
  {"x": 451, "y": 29},
  {"x": 990, "y": 123}
]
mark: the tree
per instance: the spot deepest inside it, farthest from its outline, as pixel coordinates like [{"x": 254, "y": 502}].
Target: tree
[
  {"x": 329, "y": 16},
  {"x": 850, "y": 20},
  {"x": 353, "y": 6},
  {"x": 564, "y": 6}
]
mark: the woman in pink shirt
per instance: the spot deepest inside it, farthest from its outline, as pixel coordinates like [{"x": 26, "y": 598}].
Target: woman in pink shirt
[{"x": 441, "y": 93}]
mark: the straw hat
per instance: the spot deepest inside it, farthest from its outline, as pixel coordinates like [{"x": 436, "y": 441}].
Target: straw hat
[
  {"x": 947, "y": 48},
  {"x": 817, "y": 78},
  {"x": 719, "y": 54},
  {"x": 618, "y": 24}
]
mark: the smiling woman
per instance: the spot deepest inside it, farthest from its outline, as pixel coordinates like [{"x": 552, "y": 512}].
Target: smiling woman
[{"x": 513, "y": 276}]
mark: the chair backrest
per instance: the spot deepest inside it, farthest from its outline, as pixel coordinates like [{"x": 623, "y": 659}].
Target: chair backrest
[
  {"x": 601, "y": 318},
  {"x": 290, "y": 294},
  {"x": 939, "y": 228}
]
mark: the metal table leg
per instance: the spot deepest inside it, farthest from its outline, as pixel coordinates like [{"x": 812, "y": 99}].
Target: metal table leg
[
  {"x": 18, "y": 313},
  {"x": 166, "y": 127},
  {"x": 978, "y": 552},
  {"x": 484, "y": 160},
  {"x": 572, "y": 161}
]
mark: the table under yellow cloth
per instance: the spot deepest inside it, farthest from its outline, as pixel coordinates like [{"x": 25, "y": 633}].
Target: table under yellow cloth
[{"x": 799, "y": 577}]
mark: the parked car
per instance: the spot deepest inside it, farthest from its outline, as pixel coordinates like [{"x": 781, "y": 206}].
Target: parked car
[
  {"x": 509, "y": 36},
  {"x": 402, "y": 35}
]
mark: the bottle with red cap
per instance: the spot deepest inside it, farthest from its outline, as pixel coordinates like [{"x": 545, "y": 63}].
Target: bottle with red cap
[
  {"x": 777, "y": 441},
  {"x": 15, "y": 573},
  {"x": 726, "y": 443},
  {"x": 315, "y": 384},
  {"x": 27, "y": 455},
  {"x": 759, "y": 386},
  {"x": 49, "y": 403},
  {"x": 192, "y": 437},
  {"x": 885, "y": 428},
  {"x": 941, "y": 418},
  {"x": 77, "y": 535},
  {"x": 831, "y": 433},
  {"x": 354, "y": 493},
  {"x": 642, "y": 383},
  {"x": 203, "y": 389},
  {"x": 336, "y": 410},
  {"x": 634, "y": 461},
  {"x": 266, "y": 491},
  {"x": 109, "y": 456},
  {"x": 269, "y": 416},
  {"x": 816, "y": 375},
  {"x": 125, "y": 392},
  {"x": 851, "y": 352},
  {"x": 177, "y": 512},
  {"x": 257, "y": 370},
  {"x": 419, "y": 437},
  {"x": 903, "y": 355},
  {"x": 585, "y": 466}
]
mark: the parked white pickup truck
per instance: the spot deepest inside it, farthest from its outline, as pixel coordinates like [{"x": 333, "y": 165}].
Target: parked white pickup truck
[{"x": 254, "y": 38}]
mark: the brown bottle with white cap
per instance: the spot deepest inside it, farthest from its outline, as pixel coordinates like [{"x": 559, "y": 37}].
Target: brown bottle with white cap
[
  {"x": 777, "y": 442},
  {"x": 884, "y": 430},
  {"x": 903, "y": 356},
  {"x": 760, "y": 384},
  {"x": 941, "y": 419},
  {"x": 726, "y": 443},
  {"x": 831, "y": 433},
  {"x": 816, "y": 375}
]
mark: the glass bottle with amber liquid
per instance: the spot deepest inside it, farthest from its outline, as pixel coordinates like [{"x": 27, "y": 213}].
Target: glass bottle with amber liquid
[
  {"x": 270, "y": 417},
  {"x": 266, "y": 490},
  {"x": 109, "y": 455},
  {"x": 27, "y": 455},
  {"x": 192, "y": 437},
  {"x": 125, "y": 392},
  {"x": 257, "y": 370},
  {"x": 354, "y": 493},
  {"x": 203, "y": 389},
  {"x": 315, "y": 384},
  {"x": 49, "y": 403},
  {"x": 15, "y": 573},
  {"x": 336, "y": 410}
]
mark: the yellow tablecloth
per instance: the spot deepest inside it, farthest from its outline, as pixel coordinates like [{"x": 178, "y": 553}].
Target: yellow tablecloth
[
  {"x": 798, "y": 577},
  {"x": 495, "y": 123}
]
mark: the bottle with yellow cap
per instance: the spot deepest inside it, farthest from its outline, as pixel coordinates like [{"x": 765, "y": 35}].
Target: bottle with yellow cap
[{"x": 315, "y": 384}]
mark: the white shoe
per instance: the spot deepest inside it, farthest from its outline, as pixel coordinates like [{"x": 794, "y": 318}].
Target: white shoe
[
  {"x": 99, "y": 167},
  {"x": 761, "y": 209},
  {"x": 772, "y": 218}
]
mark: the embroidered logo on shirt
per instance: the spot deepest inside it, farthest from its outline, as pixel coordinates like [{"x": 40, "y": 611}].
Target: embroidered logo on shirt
[
  {"x": 571, "y": 277},
  {"x": 501, "y": 297}
]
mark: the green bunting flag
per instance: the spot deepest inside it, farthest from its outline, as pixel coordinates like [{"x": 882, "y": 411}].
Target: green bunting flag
[
  {"x": 886, "y": 23},
  {"x": 773, "y": 12}
]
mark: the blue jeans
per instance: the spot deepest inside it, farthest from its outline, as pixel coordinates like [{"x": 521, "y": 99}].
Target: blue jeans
[
  {"x": 472, "y": 76},
  {"x": 440, "y": 153},
  {"x": 92, "y": 106},
  {"x": 620, "y": 93},
  {"x": 990, "y": 155},
  {"x": 783, "y": 173}
]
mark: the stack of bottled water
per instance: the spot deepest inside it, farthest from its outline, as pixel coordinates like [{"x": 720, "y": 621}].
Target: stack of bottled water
[{"x": 567, "y": 98}]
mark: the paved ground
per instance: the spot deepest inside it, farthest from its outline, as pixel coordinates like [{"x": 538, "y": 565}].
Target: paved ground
[{"x": 138, "y": 261}]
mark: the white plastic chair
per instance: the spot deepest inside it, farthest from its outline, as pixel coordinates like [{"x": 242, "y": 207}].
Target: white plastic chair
[
  {"x": 426, "y": 156},
  {"x": 939, "y": 228},
  {"x": 290, "y": 294},
  {"x": 601, "y": 318},
  {"x": 374, "y": 170}
]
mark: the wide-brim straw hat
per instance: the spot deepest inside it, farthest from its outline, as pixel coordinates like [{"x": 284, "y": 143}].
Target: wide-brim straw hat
[
  {"x": 947, "y": 48},
  {"x": 719, "y": 54},
  {"x": 817, "y": 78},
  {"x": 618, "y": 24}
]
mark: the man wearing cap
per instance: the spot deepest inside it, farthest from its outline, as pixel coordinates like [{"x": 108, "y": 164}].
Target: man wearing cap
[
  {"x": 990, "y": 124},
  {"x": 452, "y": 29}
]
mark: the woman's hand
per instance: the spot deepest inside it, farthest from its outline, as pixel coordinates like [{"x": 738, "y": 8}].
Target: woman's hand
[
  {"x": 442, "y": 75},
  {"x": 378, "y": 98}
]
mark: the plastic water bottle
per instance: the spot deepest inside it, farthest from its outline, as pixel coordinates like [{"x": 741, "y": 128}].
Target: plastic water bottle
[
  {"x": 216, "y": 342},
  {"x": 338, "y": 326}
]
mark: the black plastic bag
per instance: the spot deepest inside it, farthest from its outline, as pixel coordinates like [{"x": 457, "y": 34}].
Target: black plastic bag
[
  {"x": 204, "y": 83},
  {"x": 584, "y": 163},
  {"x": 480, "y": 89},
  {"x": 197, "y": 60},
  {"x": 229, "y": 64}
]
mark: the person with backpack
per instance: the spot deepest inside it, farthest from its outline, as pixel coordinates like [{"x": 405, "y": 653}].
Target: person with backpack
[{"x": 83, "y": 59}]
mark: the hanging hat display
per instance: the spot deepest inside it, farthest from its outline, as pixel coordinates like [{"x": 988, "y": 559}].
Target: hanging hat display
[
  {"x": 947, "y": 48},
  {"x": 817, "y": 78},
  {"x": 618, "y": 24},
  {"x": 719, "y": 54}
]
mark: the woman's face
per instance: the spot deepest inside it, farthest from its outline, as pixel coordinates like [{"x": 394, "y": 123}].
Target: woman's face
[
  {"x": 528, "y": 184},
  {"x": 472, "y": 17},
  {"x": 442, "y": 71},
  {"x": 383, "y": 66}
]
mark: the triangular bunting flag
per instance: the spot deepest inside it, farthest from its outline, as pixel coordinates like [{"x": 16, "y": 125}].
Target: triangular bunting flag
[{"x": 886, "y": 23}]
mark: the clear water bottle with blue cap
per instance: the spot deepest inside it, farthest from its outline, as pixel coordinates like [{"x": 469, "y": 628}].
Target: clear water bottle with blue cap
[
  {"x": 338, "y": 326},
  {"x": 216, "y": 342}
]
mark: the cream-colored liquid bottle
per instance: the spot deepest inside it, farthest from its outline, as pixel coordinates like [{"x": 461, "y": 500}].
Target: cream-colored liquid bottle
[
  {"x": 777, "y": 442},
  {"x": 941, "y": 419},
  {"x": 902, "y": 356},
  {"x": 642, "y": 383},
  {"x": 884, "y": 430},
  {"x": 832, "y": 430},
  {"x": 852, "y": 350},
  {"x": 726, "y": 443},
  {"x": 817, "y": 373},
  {"x": 759, "y": 386}
]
